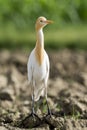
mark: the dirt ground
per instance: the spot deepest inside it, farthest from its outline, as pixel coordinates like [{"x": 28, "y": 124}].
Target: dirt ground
[{"x": 67, "y": 92}]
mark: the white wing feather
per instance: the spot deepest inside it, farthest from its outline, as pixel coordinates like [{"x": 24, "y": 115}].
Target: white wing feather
[
  {"x": 47, "y": 68},
  {"x": 30, "y": 68}
]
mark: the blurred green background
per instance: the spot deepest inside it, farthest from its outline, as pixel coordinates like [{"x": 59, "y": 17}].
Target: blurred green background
[{"x": 17, "y": 23}]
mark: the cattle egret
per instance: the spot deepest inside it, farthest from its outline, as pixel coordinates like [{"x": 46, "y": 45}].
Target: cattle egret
[{"x": 38, "y": 65}]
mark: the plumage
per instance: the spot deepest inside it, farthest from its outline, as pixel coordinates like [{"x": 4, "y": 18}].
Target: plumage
[
  {"x": 38, "y": 62},
  {"x": 38, "y": 74}
]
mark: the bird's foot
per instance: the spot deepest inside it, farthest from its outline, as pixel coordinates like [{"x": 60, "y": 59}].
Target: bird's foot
[
  {"x": 49, "y": 114},
  {"x": 34, "y": 115},
  {"x": 32, "y": 120}
]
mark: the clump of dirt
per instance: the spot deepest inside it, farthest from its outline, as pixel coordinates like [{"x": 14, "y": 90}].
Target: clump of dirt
[{"x": 67, "y": 92}]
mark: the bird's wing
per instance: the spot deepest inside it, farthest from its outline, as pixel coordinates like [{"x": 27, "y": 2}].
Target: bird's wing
[
  {"x": 30, "y": 68},
  {"x": 47, "y": 67},
  {"x": 30, "y": 73},
  {"x": 47, "y": 64}
]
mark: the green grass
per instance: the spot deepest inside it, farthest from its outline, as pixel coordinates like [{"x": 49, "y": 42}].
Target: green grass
[{"x": 73, "y": 37}]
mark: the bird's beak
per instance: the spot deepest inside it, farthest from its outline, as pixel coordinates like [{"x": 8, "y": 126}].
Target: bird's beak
[{"x": 48, "y": 21}]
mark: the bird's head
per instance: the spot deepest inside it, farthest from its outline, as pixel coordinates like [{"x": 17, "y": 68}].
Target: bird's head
[{"x": 42, "y": 22}]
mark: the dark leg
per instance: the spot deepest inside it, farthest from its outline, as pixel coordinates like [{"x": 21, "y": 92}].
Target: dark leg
[
  {"x": 33, "y": 111},
  {"x": 32, "y": 120},
  {"x": 33, "y": 104},
  {"x": 49, "y": 111}
]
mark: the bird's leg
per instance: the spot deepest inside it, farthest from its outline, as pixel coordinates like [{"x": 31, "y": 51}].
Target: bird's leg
[
  {"x": 33, "y": 106},
  {"x": 32, "y": 120},
  {"x": 49, "y": 111},
  {"x": 33, "y": 111}
]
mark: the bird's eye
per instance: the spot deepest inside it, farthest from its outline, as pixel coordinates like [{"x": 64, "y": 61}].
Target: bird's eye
[{"x": 41, "y": 21}]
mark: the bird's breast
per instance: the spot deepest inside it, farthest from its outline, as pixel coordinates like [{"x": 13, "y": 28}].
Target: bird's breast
[
  {"x": 39, "y": 54},
  {"x": 39, "y": 72}
]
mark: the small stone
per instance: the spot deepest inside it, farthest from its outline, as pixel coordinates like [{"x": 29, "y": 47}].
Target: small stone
[
  {"x": 71, "y": 124},
  {"x": 8, "y": 118},
  {"x": 55, "y": 122},
  {"x": 7, "y": 94},
  {"x": 3, "y": 128},
  {"x": 3, "y": 81},
  {"x": 6, "y": 104}
]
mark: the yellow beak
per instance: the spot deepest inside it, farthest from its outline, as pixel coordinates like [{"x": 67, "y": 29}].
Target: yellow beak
[{"x": 49, "y": 21}]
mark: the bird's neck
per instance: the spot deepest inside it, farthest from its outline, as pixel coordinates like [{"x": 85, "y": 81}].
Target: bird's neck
[
  {"x": 39, "y": 48},
  {"x": 40, "y": 38}
]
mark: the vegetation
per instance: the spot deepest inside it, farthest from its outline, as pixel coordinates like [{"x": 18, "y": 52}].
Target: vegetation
[{"x": 17, "y": 19}]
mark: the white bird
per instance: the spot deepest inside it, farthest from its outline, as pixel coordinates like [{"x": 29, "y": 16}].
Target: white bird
[{"x": 38, "y": 64}]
